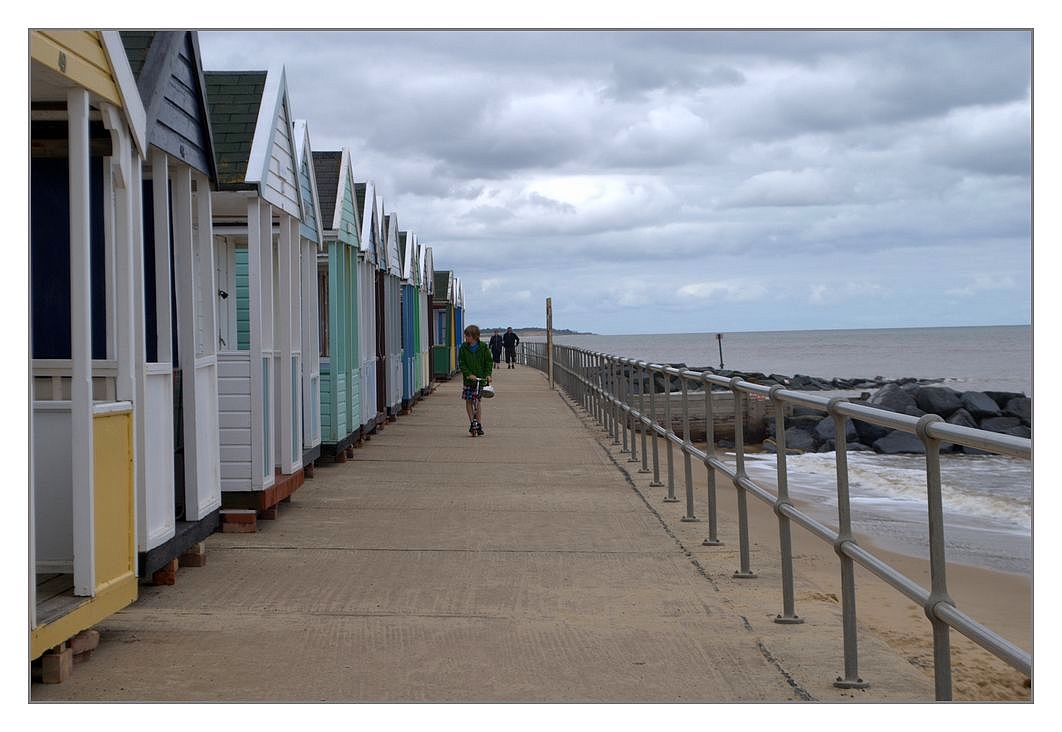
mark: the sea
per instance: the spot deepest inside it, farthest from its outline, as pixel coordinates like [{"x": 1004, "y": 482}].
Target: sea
[{"x": 988, "y": 500}]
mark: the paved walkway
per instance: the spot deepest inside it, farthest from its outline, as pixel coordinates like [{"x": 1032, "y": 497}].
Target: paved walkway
[{"x": 520, "y": 566}]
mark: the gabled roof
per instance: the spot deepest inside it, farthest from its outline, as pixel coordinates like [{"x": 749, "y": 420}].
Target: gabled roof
[
  {"x": 235, "y": 98},
  {"x": 311, "y": 225},
  {"x": 365, "y": 199},
  {"x": 429, "y": 270},
  {"x": 328, "y": 167},
  {"x": 444, "y": 280},
  {"x": 394, "y": 255},
  {"x": 169, "y": 76},
  {"x": 253, "y": 127}
]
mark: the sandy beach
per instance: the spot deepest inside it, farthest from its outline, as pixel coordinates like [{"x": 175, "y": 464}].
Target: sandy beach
[{"x": 998, "y": 600}]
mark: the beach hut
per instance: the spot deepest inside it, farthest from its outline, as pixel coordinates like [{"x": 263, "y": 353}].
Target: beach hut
[
  {"x": 409, "y": 251},
  {"x": 178, "y": 466},
  {"x": 444, "y": 351},
  {"x": 87, "y": 143},
  {"x": 306, "y": 346},
  {"x": 338, "y": 294},
  {"x": 368, "y": 333},
  {"x": 427, "y": 337},
  {"x": 392, "y": 285},
  {"x": 256, "y": 216}
]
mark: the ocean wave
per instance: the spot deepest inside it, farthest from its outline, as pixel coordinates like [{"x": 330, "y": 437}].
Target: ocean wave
[{"x": 994, "y": 493}]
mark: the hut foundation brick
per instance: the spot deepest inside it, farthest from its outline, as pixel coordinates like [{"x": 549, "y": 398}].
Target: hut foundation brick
[
  {"x": 167, "y": 575},
  {"x": 194, "y": 557},
  {"x": 239, "y": 521},
  {"x": 57, "y": 665}
]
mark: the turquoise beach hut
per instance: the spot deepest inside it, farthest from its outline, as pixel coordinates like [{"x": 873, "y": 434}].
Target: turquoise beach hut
[
  {"x": 178, "y": 471},
  {"x": 338, "y": 293}
]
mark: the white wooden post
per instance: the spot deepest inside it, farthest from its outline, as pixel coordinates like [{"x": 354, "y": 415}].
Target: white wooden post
[
  {"x": 259, "y": 446},
  {"x": 283, "y": 327},
  {"x": 310, "y": 341},
  {"x": 81, "y": 346},
  {"x": 125, "y": 241},
  {"x": 184, "y": 279},
  {"x": 160, "y": 188},
  {"x": 266, "y": 310},
  {"x": 208, "y": 482}
]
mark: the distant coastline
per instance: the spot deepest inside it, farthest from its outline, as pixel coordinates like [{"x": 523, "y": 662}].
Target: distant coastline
[{"x": 536, "y": 331}]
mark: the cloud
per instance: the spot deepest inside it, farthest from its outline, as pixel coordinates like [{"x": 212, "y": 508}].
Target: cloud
[{"x": 646, "y": 178}]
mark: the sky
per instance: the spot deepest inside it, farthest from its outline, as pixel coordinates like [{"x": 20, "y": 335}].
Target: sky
[{"x": 687, "y": 181}]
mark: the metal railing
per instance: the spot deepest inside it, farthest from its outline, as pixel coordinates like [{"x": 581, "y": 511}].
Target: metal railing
[{"x": 605, "y": 387}]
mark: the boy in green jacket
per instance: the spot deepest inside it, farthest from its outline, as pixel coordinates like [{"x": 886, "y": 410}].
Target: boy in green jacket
[{"x": 476, "y": 364}]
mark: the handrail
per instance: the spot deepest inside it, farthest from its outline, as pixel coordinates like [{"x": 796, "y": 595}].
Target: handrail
[{"x": 604, "y": 385}]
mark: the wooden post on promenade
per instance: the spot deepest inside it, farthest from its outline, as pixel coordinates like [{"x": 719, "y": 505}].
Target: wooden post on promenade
[{"x": 549, "y": 340}]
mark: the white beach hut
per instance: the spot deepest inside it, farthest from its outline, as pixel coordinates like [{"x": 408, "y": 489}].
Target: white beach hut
[{"x": 257, "y": 211}]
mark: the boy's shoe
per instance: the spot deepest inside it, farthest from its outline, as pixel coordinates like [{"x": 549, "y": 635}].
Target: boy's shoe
[
  {"x": 479, "y": 429},
  {"x": 472, "y": 429}
]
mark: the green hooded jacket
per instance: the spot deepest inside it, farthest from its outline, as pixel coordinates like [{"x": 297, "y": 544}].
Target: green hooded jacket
[{"x": 480, "y": 363}]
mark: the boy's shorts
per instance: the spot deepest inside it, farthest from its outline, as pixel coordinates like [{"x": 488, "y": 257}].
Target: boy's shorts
[{"x": 470, "y": 391}]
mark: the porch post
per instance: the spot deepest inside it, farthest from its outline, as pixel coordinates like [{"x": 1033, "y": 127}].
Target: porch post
[
  {"x": 81, "y": 446},
  {"x": 284, "y": 313},
  {"x": 259, "y": 422}
]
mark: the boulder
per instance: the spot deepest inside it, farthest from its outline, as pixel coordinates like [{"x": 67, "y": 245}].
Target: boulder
[
  {"x": 1019, "y": 431},
  {"x": 1020, "y": 407},
  {"x": 893, "y": 398},
  {"x": 962, "y": 418},
  {"x": 798, "y": 438},
  {"x": 827, "y": 430},
  {"x": 1000, "y": 424},
  {"x": 868, "y": 432},
  {"x": 979, "y": 405},
  {"x": 938, "y": 400},
  {"x": 1002, "y": 397},
  {"x": 898, "y": 442}
]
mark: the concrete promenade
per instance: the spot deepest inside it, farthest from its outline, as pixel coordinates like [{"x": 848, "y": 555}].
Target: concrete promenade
[{"x": 528, "y": 565}]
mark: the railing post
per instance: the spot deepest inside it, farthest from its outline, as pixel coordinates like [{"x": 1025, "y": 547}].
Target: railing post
[
  {"x": 621, "y": 389},
  {"x": 655, "y": 482},
  {"x": 630, "y": 411},
  {"x": 937, "y": 562},
  {"x": 851, "y": 679},
  {"x": 709, "y": 451},
  {"x": 686, "y": 445},
  {"x": 612, "y": 393},
  {"x": 742, "y": 496},
  {"x": 785, "y": 541},
  {"x": 668, "y": 432},
  {"x": 641, "y": 415}
]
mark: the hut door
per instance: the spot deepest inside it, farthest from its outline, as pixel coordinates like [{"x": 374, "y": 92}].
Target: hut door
[{"x": 381, "y": 345}]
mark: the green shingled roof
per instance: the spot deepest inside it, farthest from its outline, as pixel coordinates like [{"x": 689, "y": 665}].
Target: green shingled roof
[
  {"x": 327, "y": 167},
  {"x": 234, "y": 98},
  {"x": 136, "y": 45}
]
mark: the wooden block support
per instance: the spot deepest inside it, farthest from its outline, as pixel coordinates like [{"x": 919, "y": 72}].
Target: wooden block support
[
  {"x": 341, "y": 456},
  {"x": 57, "y": 665},
  {"x": 307, "y": 470},
  {"x": 269, "y": 514},
  {"x": 194, "y": 557},
  {"x": 83, "y": 644},
  {"x": 350, "y": 452},
  {"x": 167, "y": 575},
  {"x": 239, "y": 520}
]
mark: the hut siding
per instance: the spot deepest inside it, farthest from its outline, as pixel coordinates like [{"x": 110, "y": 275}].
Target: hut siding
[
  {"x": 280, "y": 183},
  {"x": 179, "y": 119},
  {"x": 234, "y": 419}
]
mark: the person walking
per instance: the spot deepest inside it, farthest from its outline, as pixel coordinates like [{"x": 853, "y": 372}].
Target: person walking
[
  {"x": 509, "y": 340},
  {"x": 496, "y": 346},
  {"x": 473, "y": 358}
]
